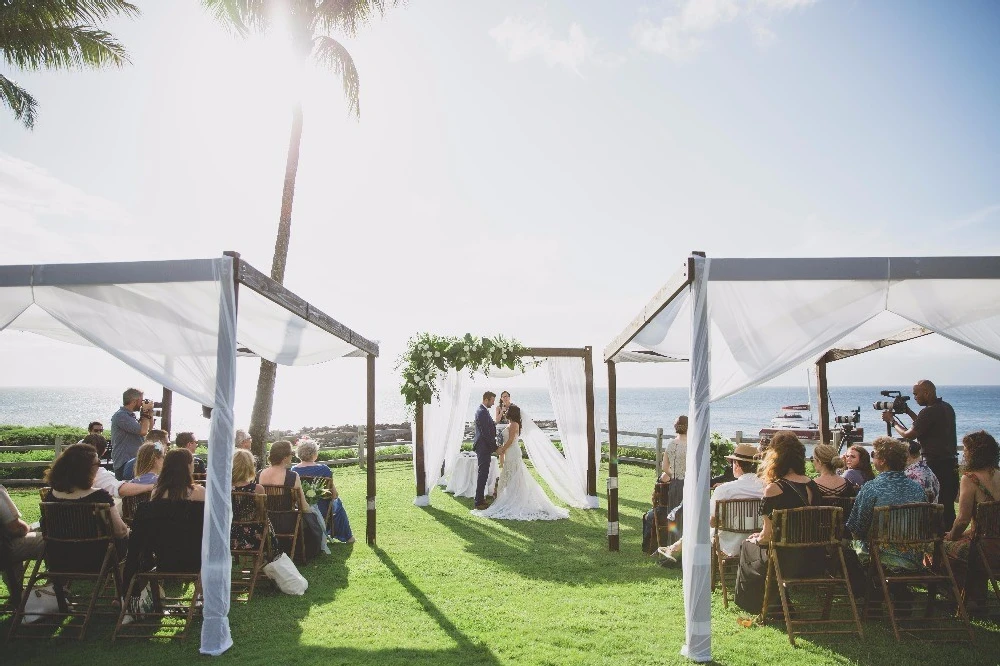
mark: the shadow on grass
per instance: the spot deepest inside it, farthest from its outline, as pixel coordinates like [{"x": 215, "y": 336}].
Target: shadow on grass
[{"x": 470, "y": 652}]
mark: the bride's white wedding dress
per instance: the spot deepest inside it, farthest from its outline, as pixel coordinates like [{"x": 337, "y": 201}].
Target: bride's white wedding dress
[{"x": 519, "y": 496}]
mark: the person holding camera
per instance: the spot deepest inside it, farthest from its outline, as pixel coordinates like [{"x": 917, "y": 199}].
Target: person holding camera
[
  {"x": 934, "y": 428},
  {"x": 127, "y": 431}
]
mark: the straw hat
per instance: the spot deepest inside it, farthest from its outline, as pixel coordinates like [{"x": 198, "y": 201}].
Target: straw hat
[{"x": 744, "y": 453}]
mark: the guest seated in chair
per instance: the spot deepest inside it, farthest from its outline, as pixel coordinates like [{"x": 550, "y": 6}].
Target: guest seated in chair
[
  {"x": 176, "y": 480},
  {"x": 747, "y": 485},
  {"x": 979, "y": 483},
  {"x": 306, "y": 452},
  {"x": 20, "y": 544},
  {"x": 889, "y": 488},
  {"x": 148, "y": 463},
  {"x": 786, "y": 487},
  {"x": 71, "y": 478},
  {"x": 826, "y": 461},
  {"x": 187, "y": 440}
]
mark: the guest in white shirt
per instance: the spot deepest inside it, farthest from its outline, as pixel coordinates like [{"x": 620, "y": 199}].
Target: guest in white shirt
[
  {"x": 105, "y": 479},
  {"x": 748, "y": 485}
]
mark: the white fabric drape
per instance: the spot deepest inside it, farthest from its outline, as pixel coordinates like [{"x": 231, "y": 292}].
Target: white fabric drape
[
  {"x": 444, "y": 425},
  {"x": 697, "y": 560},
  {"x": 216, "y": 564},
  {"x": 552, "y": 466},
  {"x": 568, "y": 391}
]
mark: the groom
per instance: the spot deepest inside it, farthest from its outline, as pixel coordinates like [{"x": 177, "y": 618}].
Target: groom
[{"x": 485, "y": 444}]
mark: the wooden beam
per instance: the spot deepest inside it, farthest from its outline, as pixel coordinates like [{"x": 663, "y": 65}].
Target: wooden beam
[
  {"x": 612, "y": 458},
  {"x": 823, "y": 403},
  {"x": 278, "y": 294},
  {"x": 370, "y": 531},
  {"x": 677, "y": 282},
  {"x": 588, "y": 371},
  {"x": 418, "y": 449},
  {"x": 556, "y": 352}
]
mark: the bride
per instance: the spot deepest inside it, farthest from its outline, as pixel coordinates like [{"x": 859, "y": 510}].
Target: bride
[{"x": 519, "y": 496}]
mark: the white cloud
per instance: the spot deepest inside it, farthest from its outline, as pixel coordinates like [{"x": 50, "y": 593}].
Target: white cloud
[
  {"x": 683, "y": 33},
  {"x": 523, "y": 39}
]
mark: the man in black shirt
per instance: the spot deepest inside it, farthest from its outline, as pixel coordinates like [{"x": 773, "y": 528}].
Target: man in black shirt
[{"x": 934, "y": 428}]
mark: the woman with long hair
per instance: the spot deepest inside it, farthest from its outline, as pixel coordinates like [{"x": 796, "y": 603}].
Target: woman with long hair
[
  {"x": 176, "y": 480},
  {"x": 826, "y": 462},
  {"x": 786, "y": 486},
  {"x": 519, "y": 497},
  {"x": 980, "y": 482},
  {"x": 858, "y": 462}
]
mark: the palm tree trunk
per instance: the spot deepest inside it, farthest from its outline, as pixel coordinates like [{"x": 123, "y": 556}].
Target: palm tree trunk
[{"x": 260, "y": 418}]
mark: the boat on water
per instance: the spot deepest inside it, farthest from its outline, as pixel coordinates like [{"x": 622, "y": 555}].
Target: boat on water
[{"x": 799, "y": 419}]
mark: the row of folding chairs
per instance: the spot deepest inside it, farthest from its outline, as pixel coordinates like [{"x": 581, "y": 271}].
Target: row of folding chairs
[
  {"x": 80, "y": 548},
  {"x": 915, "y": 528}
]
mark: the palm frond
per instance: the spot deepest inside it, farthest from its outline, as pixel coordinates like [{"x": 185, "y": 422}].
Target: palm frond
[
  {"x": 346, "y": 16},
  {"x": 330, "y": 53},
  {"x": 61, "y": 47},
  {"x": 242, "y": 16},
  {"x": 19, "y": 100}
]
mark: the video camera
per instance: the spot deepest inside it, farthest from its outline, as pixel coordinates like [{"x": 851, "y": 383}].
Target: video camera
[{"x": 897, "y": 406}]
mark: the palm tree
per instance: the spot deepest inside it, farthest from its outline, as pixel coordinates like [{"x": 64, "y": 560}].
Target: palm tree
[
  {"x": 55, "y": 34},
  {"x": 308, "y": 22}
]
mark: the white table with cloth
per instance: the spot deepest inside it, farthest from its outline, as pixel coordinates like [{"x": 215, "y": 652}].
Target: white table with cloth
[{"x": 464, "y": 473}]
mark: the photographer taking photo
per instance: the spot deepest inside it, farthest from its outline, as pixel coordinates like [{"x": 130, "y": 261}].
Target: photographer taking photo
[
  {"x": 934, "y": 428},
  {"x": 127, "y": 431}
]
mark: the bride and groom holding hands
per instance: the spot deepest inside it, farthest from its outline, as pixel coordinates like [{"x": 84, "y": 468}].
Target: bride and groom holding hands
[{"x": 519, "y": 497}]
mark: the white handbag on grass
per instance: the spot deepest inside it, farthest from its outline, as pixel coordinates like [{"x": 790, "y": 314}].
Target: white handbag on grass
[{"x": 288, "y": 579}]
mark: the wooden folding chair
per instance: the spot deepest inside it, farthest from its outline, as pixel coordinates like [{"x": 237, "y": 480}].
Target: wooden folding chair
[
  {"x": 327, "y": 483},
  {"x": 286, "y": 519},
  {"x": 79, "y": 546},
  {"x": 249, "y": 520},
  {"x": 986, "y": 523},
  {"x": 819, "y": 528},
  {"x": 741, "y": 516},
  {"x": 164, "y": 554},
  {"x": 129, "y": 505},
  {"x": 917, "y": 528}
]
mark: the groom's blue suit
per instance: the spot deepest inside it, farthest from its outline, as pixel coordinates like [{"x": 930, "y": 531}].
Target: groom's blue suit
[{"x": 484, "y": 445}]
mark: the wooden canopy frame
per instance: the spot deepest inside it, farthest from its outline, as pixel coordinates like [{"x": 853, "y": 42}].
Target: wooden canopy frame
[
  {"x": 586, "y": 353},
  {"x": 251, "y": 278}
]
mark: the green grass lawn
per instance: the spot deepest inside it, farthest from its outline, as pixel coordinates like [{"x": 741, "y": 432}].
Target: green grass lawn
[{"x": 443, "y": 587}]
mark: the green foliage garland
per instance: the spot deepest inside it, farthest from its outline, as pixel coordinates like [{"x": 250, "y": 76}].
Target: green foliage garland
[{"x": 428, "y": 356}]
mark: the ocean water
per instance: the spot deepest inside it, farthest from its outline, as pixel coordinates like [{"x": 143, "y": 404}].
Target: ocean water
[{"x": 639, "y": 409}]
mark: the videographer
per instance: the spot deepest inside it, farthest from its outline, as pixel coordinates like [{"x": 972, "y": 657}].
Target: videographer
[
  {"x": 127, "y": 431},
  {"x": 934, "y": 428}
]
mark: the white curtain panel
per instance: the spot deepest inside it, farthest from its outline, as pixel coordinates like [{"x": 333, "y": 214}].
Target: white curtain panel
[
  {"x": 13, "y": 301},
  {"x": 444, "y": 425},
  {"x": 168, "y": 331},
  {"x": 966, "y": 311},
  {"x": 762, "y": 329},
  {"x": 552, "y": 466},
  {"x": 568, "y": 392},
  {"x": 283, "y": 337}
]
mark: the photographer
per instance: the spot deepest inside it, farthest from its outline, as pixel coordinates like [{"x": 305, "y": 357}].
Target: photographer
[
  {"x": 127, "y": 432},
  {"x": 934, "y": 428}
]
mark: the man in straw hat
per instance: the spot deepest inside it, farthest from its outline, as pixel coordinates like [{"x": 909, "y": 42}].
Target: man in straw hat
[{"x": 747, "y": 485}]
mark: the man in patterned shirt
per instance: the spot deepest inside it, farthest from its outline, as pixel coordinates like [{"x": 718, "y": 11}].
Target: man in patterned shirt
[{"x": 917, "y": 469}]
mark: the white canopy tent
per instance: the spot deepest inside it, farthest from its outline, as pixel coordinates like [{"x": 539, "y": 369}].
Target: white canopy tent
[
  {"x": 438, "y": 429},
  {"x": 742, "y": 322},
  {"x": 176, "y": 322}
]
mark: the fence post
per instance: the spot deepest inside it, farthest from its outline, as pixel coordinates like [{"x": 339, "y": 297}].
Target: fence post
[
  {"x": 659, "y": 452},
  {"x": 361, "y": 448},
  {"x": 57, "y": 446},
  {"x": 739, "y": 437}
]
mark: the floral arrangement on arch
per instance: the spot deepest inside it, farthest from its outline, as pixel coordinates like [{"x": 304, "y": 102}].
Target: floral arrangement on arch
[{"x": 428, "y": 356}]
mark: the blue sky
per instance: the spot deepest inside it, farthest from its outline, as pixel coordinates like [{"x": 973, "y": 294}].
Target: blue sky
[{"x": 571, "y": 152}]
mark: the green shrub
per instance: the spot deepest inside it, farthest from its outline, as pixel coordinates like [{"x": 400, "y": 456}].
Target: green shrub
[{"x": 15, "y": 435}]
